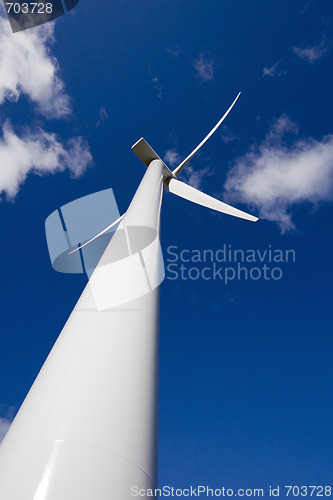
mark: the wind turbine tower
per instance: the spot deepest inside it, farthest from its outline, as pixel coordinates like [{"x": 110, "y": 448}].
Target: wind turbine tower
[{"x": 87, "y": 429}]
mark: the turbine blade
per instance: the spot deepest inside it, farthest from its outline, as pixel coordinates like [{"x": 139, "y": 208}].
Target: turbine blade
[
  {"x": 191, "y": 194},
  {"x": 98, "y": 235},
  {"x": 190, "y": 156}
]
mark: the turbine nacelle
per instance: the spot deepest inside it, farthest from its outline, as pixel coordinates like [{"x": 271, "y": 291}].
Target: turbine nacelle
[{"x": 146, "y": 154}]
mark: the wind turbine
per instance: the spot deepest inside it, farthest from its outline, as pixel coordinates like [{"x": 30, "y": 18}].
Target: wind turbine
[{"x": 88, "y": 426}]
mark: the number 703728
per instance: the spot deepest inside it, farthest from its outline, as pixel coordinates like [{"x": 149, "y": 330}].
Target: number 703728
[
  {"x": 29, "y": 8},
  {"x": 312, "y": 491}
]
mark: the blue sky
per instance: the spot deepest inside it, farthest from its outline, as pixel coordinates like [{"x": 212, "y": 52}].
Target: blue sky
[{"x": 245, "y": 367}]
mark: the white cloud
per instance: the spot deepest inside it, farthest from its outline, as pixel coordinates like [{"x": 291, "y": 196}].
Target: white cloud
[
  {"x": 312, "y": 54},
  {"x": 174, "y": 51},
  {"x": 195, "y": 177},
  {"x": 103, "y": 116},
  {"x": 156, "y": 83},
  {"x": 172, "y": 158},
  {"x": 275, "y": 177},
  {"x": 204, "y": 67},
  {"x": 228, "y": 135},
  {"x": 280, "y": 128},
  {"x": 273, "y": 70},
  {"x": 4, "y": 426},
  {"x": 27, "y": 67},
  {"x": 40, "y": 153}
]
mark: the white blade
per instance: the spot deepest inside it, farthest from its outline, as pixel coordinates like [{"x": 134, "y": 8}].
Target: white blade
[
  {"x": 183, "y": 163},
  {"x": 98, "y": 235},
  {"x": 191, "y": 194}
]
